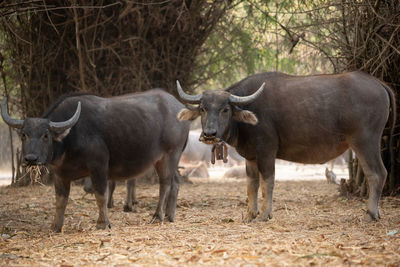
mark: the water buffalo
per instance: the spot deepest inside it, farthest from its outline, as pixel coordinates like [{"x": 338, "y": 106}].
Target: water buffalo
[
  {"x": 107, "y": 138},
  {"x": 310, "y": 119}
]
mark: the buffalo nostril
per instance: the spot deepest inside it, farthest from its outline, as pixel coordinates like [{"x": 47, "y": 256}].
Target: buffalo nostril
[
  {"x": 210, "y": 133},
  {"x": 30, "y": 158}
]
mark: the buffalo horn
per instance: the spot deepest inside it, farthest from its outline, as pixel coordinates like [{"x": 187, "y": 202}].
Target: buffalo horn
[
  {"x": 64, "y": 125},
  {"x": 7, "y": 119},
  {"x": 191, "y": 99},
  {"x": 243, "y": 100}
]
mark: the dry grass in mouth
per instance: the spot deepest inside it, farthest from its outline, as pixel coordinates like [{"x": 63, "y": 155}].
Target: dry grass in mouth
[{"x": 35, "y": 172}]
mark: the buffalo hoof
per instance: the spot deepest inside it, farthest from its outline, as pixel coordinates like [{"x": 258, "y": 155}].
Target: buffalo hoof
[
  {"x": 135, "y": 202},
  {"x": 250, "y": 217},
  {"x": 103, "y": 225},
  {"x": 156, "y": 219},
  {"x": 127, "y": 208},
  {"x": 56, "y": 228},
  {"x": 264, "y": 218},
  {"x": 88, "y": 189},
  {"x": 371, "y": 216},
  {"x": 169, "y": 219}
]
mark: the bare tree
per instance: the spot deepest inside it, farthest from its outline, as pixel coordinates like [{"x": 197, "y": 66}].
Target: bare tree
[{"x": 104, "y": 47}]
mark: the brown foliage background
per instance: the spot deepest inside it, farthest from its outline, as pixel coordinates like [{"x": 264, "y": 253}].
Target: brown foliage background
[
  {"x": 105, "y": 47},
  {"x": 55, "y": 47},
  {"x": 371, "y": 43}
]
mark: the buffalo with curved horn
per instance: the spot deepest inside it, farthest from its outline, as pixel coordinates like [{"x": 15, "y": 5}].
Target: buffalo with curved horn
[
  {"x": 54, "y": 126},
  {"x": 36, "y": 133},
  {"x": 309, "y": 119},
  {"x": 107, "y": 139}
]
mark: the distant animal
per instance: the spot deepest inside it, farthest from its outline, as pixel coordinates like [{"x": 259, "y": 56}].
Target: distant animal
[
  {"x": 304, "y": 119},
  {"x": 106, "y": 138},
  {"x": 330, "y": 177},
  {"x": 236, "y": 172},
  {"x": 198, "y": 170}
]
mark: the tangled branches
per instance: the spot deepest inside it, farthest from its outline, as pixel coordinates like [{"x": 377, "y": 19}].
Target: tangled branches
[
  {"x": 105, "y": 47},
  {"x": 371, "y": 36}
]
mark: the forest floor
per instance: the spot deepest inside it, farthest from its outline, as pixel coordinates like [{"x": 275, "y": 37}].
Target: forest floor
[{"x": 312, "y": 225}]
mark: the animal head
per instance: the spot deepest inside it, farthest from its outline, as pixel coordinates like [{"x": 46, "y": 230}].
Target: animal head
[
  {"x": 217, "y": 109},
  {"x": 38, "y": 134}
]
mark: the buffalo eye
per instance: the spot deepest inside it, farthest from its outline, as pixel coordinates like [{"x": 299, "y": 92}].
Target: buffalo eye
[
  {"x": 202, "y": 110},
  {"x": 225, "y": 110},
  {"x": 23, "y": 136},
  {"x": 45, "y": 137}
]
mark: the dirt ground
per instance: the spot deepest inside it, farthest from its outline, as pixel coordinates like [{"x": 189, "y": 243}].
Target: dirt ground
[{"x": 312, "y": 225}]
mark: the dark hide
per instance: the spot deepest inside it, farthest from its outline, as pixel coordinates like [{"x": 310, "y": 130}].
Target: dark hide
[
  {"x": 114, "y": 137},
  {"x": 310, "y": 119}
]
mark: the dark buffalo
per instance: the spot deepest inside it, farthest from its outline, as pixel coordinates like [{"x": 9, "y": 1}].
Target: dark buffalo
[
  {"x": 107, "y": 138},
  {"x": 310, "y": 119}
]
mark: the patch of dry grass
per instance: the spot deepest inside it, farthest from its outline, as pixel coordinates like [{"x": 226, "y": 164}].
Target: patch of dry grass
[{"x": 312, "y": 225}]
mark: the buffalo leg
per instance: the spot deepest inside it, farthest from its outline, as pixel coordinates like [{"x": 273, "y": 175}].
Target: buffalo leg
[
  {"x": 111, "y": 188},
  {"x": 253, "y": 183},
  {"x": 100, "y": 186},
  {"x": 88, "y": 188},
  {"x": 62, "y": 188},
  {"x": 368, "y": 153},
  {"x": 101, "y": 200},
  {"x": 132, "y": 186},
  {"x": 130, "y": 199},
  {"x": 87, "y": 185},
  {"x": 172, "y": 199},
  {"x": 166, "y": 168},
  {"x": 267, "y": 171}
]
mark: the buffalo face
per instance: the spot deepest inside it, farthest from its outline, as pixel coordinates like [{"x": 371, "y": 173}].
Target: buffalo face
[
  {"x": 217, "y": 109},
  {"x": 36, "y": 141},
  {"x": 38, "y": 134}
]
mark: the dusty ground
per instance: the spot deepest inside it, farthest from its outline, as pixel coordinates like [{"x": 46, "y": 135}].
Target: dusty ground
[{"x": 312, "y": 225}]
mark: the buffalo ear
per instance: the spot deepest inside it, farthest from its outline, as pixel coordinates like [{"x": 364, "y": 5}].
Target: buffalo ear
[
  {"x": 188, "y": 114},
  {"x": 245, "y": 116},
  {"x": 59, "y": 136}
]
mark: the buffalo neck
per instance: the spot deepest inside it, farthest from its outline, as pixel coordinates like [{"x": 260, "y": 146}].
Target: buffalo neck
[
  {"x": 231, "y": 135},
  {"x": 56, "y": 152}
]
